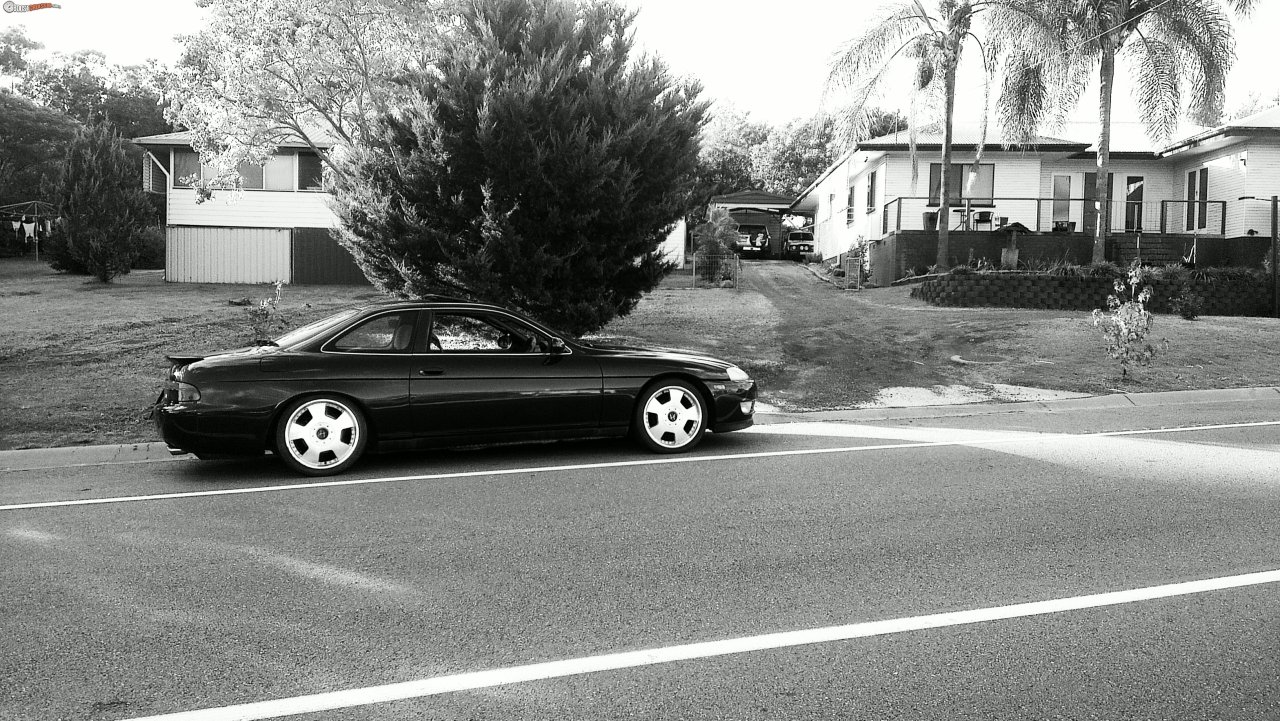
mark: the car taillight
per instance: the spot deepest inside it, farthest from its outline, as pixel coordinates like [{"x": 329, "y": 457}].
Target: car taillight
[{"x": 179, "y": 392}]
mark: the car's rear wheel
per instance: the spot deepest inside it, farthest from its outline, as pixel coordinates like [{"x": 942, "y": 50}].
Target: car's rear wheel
[
  {"x": 321, "y": 435},
  {"x": 670, "y": 417}
]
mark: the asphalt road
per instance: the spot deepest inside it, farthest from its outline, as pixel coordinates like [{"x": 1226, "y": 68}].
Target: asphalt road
[{"x": 796, "y": 571}]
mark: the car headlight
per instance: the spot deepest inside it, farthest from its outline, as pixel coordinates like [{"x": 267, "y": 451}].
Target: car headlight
[{"x": 737, "y": 374}]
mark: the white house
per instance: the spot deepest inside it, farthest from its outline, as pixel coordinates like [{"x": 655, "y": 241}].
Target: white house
[
  {"x": 277, "y": 227},
  {"x": 872, "y": 201}
]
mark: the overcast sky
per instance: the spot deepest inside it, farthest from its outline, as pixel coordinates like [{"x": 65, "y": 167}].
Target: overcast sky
[{"x": 767, "y": 57}]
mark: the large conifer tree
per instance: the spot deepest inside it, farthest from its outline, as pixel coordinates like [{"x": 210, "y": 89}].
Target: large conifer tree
[
  {"x": 103, "y": 207},
  {"x": 540, "y": 166}
]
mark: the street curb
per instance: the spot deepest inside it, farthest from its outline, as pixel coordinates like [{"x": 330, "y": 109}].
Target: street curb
[
  {"x": 1115, "y": 400},
  {"x": 129, "y": 453},
  {"x": 40, "y": 458}
]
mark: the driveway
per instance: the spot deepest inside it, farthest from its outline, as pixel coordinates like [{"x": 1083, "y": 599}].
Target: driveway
[{"x": 880, "y": 348}]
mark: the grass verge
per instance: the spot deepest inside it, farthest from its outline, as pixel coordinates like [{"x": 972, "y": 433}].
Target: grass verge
[{"x": 82, "y": 361}]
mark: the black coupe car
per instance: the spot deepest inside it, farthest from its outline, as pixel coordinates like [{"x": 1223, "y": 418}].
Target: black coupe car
[{"x": 439, "y": 373}]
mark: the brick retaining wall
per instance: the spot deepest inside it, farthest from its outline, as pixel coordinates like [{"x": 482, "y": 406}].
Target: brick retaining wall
[{"x": 1224, "y": 296}]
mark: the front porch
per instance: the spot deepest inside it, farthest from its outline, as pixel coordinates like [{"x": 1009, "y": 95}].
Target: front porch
[
  {"x": 914, "y": 251},
  {"x": 1064, "y": 215}
]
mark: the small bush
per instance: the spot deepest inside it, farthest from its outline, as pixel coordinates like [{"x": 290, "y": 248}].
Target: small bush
[
  {"x": 1186, "y": 303},
  {"x": 150, "y": 250},
  {"x": 1104, "y": 269},
  {"x": 266, "y": 319}
]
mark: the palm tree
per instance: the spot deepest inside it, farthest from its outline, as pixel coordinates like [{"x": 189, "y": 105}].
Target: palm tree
[
  {"x": 1181, "y": 52},
  {"x": 933, "y": 38}
]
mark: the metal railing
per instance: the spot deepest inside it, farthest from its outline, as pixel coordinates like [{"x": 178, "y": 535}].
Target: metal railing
[{"x": 1066, "y": 215}]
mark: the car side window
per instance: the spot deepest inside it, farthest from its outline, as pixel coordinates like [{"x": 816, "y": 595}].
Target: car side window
[
  {"x": 466, "y": 333},
  {"x": 386, "y": 333}
]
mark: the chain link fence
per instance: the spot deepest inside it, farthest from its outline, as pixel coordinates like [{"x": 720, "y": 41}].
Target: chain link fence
[{"x": 706, "y": 271}]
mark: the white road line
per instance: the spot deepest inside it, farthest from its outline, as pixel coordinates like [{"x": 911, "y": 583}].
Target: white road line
[
  {"x": 648, "y": 657},
  {"x": 1022, "y": 437}
]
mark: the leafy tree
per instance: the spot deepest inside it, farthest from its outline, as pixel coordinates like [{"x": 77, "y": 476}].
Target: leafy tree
[
  {"x": 933, "y": 38},
  {"x": 312, "y": 71},
  {"x": 14, "y": 45},
  {"x": 104, "y": 210},
  {"x": 539, "y": 166},
  {"x": 84, "y": 87},
  {"x": 725, "y": 157},
  {"x": 1181, "y": 52},
  {"x": 797, "y": 153},
  {"x": 74, "y": 84},
  {"x": 793, "y": 155},
  {"x": 1254, "y": 102},
  {"x": 33, "y": 141}
]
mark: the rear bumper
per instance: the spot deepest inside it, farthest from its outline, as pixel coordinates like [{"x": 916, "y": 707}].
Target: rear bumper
[{"x": 188, "y": 429}]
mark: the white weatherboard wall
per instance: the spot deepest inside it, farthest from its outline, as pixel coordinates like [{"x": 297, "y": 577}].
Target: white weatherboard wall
[
  {"x": 227, "y": 255},
  {"x": 252, "y": 209}
]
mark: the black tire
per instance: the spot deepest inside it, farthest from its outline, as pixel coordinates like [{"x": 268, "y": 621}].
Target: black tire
[
  {"x": 321, "y": 435},
  {"x": 670, "y": 417}
]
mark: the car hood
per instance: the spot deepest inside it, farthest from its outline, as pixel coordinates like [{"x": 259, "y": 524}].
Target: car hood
[{"x": 652, "y": 353}]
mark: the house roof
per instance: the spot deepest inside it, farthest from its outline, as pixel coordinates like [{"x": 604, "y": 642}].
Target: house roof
[
  {"x": 964, "y": 137},
  {"x": 752, "y": 197},
  {"x": 183, "y": 138},
  {"x": 1265, "y": 122}
]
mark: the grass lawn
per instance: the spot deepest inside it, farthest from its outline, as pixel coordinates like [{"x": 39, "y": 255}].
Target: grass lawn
[{"x": 81, "y": 361}]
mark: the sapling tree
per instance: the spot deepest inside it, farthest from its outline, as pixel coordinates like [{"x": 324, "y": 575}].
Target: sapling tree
[{"x": 1127, "y": 322}]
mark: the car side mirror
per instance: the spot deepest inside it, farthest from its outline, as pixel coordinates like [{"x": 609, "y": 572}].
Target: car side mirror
[{"x": 557, "y": 345}]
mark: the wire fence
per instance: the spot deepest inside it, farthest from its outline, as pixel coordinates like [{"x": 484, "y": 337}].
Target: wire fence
[{"x": 706, "y": 271}]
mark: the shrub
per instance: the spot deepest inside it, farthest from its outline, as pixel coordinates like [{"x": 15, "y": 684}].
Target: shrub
[
  {"x": 1126, "y": 325},
  {"x": 1104, "y": 269},
  {"x": 1186, "y": 303},
  {"x": 266, "y": 319},
  {"x": 150, "y": 250}
]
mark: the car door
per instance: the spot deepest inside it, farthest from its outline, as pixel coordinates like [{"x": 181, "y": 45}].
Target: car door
[
  {"x": 371, "y": 361},
  {"x": 483, "y": 373}
]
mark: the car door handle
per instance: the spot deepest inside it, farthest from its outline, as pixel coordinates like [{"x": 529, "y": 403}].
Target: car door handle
[{"x": 431, "y": 371}]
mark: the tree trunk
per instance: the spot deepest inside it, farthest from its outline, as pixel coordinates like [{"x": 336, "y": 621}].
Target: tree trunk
[
  {"x": 1102, "y": 188},
  {"x": 944, "y": 179}
]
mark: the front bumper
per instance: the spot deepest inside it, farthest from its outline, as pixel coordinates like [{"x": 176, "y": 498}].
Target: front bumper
[{"x": 734, "y": 405}]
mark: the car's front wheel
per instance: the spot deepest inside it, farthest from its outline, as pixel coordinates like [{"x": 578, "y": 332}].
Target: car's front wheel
[
  {"x": 321, "y": 435},
  {"x": 670, "y": 417}
]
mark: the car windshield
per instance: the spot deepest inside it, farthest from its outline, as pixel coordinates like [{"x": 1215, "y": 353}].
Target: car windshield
[{"x": 316, "y": 327}]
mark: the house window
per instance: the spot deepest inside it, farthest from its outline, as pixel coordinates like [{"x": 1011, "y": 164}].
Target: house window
[
  {"x": 871, "y": 192},
  {"x": 250, "y": 176},
  {"x": 848, "y": 208},
  {"x": 981, "y": 191},
  {"x": 310, "y": 172},
  {"x": 277, "y": 174},
  {"x": 186, "y": 165}
]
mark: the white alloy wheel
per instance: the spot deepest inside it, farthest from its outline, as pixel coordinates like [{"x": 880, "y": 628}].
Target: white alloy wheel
[
  {"x": 670, "y": 417},
  {"x": 321, "y": 436}
]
